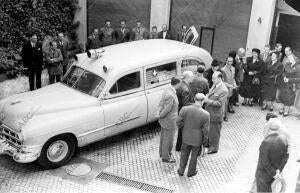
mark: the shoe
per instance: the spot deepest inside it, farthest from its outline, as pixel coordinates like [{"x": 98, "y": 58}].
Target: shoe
[
  {"x": 285, "y": 114},
  {"x": 169, "y": 161},
  {"x": 271, "y": 109},
  {"x": 225, "y": 119},
  {"x": 236, "y": 104},
  {"x": 192, "y": 174},
  {"x": 212, "y": 152},
  {"x": 244, "y": 104},
  {"x": 281, "y": 112},
  {"x": 231, "y": 111},
  {"x": 180, "y": 174}
]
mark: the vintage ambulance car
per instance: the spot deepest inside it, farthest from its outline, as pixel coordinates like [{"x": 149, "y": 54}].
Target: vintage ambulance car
[{"x": 105, "y": 92}]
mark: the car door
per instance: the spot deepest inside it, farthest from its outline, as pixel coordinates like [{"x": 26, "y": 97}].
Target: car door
[
  {"x": 191, "y": 35},
  {"x": 125, "y": 104},
  {"x": 157, "y": 78}
]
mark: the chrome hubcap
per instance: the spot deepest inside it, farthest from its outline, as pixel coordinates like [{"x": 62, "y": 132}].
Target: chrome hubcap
[{"x": 57, "y": 151}]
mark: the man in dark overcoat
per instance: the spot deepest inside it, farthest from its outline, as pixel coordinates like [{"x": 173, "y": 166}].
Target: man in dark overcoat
[
  {"x": 193, "y": 120},
  {"x": 32, "y": 56}
]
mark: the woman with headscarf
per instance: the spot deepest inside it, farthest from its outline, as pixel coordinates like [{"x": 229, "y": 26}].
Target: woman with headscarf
[
  {"x": 290, "y": 80},
  {"x": 273, "y": 71},
  {"x": 251, "y": 87}
]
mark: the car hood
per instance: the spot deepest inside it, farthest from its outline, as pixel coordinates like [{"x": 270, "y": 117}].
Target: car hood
[{"x": 17, "y": 110}]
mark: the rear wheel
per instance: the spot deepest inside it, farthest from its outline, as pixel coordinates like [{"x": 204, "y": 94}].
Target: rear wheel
[{"x": 57, "y": 151}]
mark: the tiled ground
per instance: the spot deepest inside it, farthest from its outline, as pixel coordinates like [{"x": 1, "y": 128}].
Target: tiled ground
[{"x": 134, "y": 155}]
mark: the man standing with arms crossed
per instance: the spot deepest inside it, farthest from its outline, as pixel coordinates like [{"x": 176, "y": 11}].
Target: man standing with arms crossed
[
  {"x": 194, "y": 122},
  {"x": 215, "y": 105},
  {"x": 167, "y": 115}
]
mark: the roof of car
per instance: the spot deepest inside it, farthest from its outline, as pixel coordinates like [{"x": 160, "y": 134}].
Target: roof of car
[{"x": 119, "y": 58}]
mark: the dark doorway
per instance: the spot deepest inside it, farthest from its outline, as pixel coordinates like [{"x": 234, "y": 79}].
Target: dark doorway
[
  {"x": 207, "y": 36},
  {"x": 288, "y": 31}
]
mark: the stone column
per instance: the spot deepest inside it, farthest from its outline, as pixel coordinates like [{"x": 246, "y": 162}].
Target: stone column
[
  {"x": 260, "y": 25},
  {"x": 81, "y": 16},
  {"x": 160, "y": 13}
]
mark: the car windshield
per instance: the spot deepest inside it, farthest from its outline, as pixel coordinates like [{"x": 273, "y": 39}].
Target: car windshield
[{"x": 84, "y": 81}]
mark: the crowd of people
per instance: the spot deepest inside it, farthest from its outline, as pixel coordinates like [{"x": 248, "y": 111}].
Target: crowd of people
[
  {"x": 197, "y": 104},
  {"x": 55, "y": 59},
  {"x": 107, "y": 35}
]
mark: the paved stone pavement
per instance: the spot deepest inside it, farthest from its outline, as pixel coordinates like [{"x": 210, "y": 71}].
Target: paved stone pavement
[{"x": 134, "y": 155}]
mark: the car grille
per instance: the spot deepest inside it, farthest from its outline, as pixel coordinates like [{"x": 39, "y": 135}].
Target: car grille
[{"x": 11, "y": 136}]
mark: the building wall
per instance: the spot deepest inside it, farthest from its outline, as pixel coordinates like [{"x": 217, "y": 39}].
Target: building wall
[
  {"x": 116, "y": 10},
  {"x": 230, "y": 19},
  {"x": 260, "y": 25}
]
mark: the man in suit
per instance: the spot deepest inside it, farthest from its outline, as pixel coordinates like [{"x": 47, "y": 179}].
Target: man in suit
[
  {"x": 139, "y": 32},
  {"x": 122, "y": 34},
  {"x": 185, "y": 97},
  {"x": 273, "y": 155},
  {"x": 199, "y": 84},
  {"x": 265, "y": 56},
  {"x": 181, "y": 35},
  {"x": 165, "y": 33},
  {"x": 167, "y": 114},
  {"x": 215, "y": 105},
  {"x": 93, "y": 41},
  {"x": 194, "y": 123},
  {"x": 215, "y": 66},
  {"x": 63, "y": 45},
  {"x": 32, "y": 56},
  {"x": 106, "y": 34},
  {"x": 229, "y": 79}
]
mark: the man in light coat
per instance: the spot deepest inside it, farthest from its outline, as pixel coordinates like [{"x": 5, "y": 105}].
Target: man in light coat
[
  {"x": 215, "y": 105},
  {"x": 167, "y": 114},
  {"x": 194, "y": 122}
]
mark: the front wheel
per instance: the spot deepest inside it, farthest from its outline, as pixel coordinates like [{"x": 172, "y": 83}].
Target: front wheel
[{"x": 57, "y": 151}]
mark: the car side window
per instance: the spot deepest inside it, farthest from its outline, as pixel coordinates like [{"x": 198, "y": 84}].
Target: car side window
[
  {"x": 127, "y": 82},
  {"x": 189, "y": 65},
  {"x": 160, "y": 73}
]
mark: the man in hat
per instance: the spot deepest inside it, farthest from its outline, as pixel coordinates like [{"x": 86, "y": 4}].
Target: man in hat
[
  {"x": 273, "y": 155},
  {"x": 215, "y": 66}
]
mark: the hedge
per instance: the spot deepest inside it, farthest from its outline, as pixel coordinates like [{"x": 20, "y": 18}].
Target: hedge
[{"x": 18, "y": 18}]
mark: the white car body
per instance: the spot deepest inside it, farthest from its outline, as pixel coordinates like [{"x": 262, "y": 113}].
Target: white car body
[{"x": 29, "y": 120}]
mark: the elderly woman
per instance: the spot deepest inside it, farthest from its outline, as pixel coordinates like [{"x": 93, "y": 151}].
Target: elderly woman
[
  {"x": 273, "y": 71},
  {"x": 251, "y": 86},
  {"x": 290, "y": 79},
  {"x": 54, "y": 59}
]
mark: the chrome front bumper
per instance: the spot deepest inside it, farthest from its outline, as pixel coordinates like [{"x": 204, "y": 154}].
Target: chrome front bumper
[{"x": 17, "y": 154}]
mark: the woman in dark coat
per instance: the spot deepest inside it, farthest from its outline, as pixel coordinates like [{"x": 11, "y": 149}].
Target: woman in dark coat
[
  {"x": 54, "y": 60},
  {"x": 251, "y": 86},
  {"x": 289, "y": 82},
  {"x": 273, "y": 71}
]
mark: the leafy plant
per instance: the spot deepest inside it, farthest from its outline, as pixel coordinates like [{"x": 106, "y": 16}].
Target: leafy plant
[{"x": 18, "y": 18}]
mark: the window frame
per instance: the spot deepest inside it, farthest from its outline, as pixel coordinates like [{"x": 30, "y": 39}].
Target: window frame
[
  {"x": 128, "y": 92},
  {"x": 189, "y": 58},
  {"x": 159, "y": 64}
]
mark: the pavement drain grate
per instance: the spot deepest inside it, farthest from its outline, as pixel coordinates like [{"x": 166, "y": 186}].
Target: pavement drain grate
[{"x": 132, "y": 183}]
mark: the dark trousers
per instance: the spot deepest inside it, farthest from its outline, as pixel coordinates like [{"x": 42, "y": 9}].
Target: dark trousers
[
  {"x": 65, "y": 69},
  {"x": 235, "y": 97},
  {"x": 184, "y": 156},
  {"x": 179, "y": 140},
  {"x": 35, "y": 79},
  {"x": 54, "y": 78}
]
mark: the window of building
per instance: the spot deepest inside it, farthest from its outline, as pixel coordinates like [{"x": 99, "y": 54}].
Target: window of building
[
  {"x": 126, "y": 83},
  {"x": 161, "y": 73}
]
